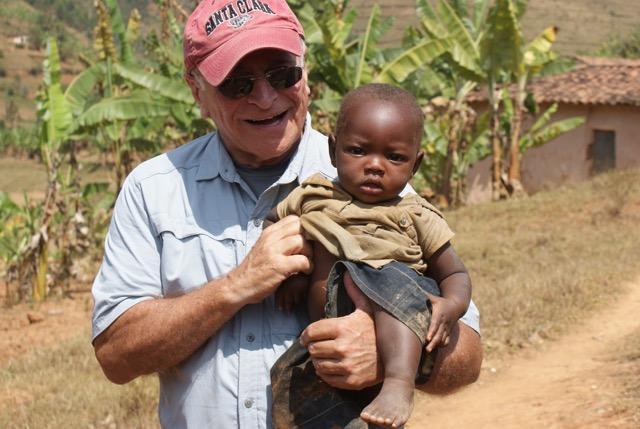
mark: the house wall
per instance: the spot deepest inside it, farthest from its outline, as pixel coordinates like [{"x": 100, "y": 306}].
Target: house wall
[{"x": 567, "y": 159}]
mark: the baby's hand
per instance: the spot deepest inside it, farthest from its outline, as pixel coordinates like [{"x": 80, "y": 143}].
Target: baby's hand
[
  {"x": 292, "y": 292},
  {"x": 443, "y": 316}
]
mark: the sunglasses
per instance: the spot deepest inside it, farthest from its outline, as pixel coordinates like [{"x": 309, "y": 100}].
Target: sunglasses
[{"x": 279, "y": 78}]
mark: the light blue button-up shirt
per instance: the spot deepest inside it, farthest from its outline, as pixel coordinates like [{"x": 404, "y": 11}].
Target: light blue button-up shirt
[{"x": 185, "y": 218}]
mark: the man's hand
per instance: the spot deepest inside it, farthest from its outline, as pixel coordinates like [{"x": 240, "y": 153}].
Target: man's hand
[
  {"x": 343, "y": 349},
  {"x": 281, "y": 251}
]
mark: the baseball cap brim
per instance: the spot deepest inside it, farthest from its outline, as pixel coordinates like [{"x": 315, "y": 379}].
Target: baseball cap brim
[{"x": 219, "y": 64}]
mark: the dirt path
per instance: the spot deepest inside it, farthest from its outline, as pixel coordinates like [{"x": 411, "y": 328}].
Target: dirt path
[
  {"x": 26, "y": 327},
  {"x": 568, "y": 383}
]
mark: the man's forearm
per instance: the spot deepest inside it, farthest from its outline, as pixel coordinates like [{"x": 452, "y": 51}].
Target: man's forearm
[
  {"x": 457, "y": 364},
  {"x": 158, "y": 334}
]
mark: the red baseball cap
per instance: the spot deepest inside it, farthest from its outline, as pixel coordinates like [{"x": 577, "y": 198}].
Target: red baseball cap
[{"x": 220, "y": 32}]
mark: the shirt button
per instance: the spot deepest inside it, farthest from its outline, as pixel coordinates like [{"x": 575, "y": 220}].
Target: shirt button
[
  {"x": 257, "y": 222},
  {"x": 251, "y": 338},
  {"x": 248, "y": 403}
]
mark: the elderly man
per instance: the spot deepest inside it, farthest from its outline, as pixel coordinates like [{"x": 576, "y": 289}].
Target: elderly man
[{"x": 187, "y": 282}]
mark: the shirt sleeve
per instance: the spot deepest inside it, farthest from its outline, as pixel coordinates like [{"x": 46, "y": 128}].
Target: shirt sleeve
[
  {"x": 432, "y": 230},
  {"x": 292, "y": 204},
  {"x": 130, "y": 270}
]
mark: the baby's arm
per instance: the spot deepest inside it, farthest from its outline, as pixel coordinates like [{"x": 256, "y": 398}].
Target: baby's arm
[
  {"x": 317, "y": 298},
  {"x": 292, "y": 292},
  {"x": 446, "y": 268}
]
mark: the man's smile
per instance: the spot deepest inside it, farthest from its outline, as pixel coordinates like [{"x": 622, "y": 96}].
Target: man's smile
[{"x": 269, "y": 120}]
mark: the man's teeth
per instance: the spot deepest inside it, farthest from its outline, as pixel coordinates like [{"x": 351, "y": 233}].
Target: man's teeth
[{"x": 268, "y": 120}]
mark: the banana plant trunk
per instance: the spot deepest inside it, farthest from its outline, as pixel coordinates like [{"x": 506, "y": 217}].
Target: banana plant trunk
[
  {"x": 452, "y": 148},
  {"x": 496, "y": 146},
  {"x": 514, "y": 180}
]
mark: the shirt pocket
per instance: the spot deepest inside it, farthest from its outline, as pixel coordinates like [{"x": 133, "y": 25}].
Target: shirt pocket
[
  {"x": 192, "y": 256},
  {"x": 283, "y": 324}
]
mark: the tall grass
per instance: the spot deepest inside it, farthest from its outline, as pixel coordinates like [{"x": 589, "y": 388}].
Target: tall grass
[
  {"x": 63, "y": 387},
  {"x": 541, "y": 264}
]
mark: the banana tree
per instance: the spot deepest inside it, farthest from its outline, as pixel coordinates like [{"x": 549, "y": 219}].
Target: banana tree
[
  {"x": 452, "y": 76},
  {"x": 537, "y": 54},
  {"x": 138, "y": 109},
  {"x": 341, "y": 59},
  {"x": 487, "y": 48},
  {"x": 540, "y": 132}
]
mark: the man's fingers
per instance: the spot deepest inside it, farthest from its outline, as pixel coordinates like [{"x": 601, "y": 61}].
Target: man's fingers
[
  {"x": 321, "y": 330},
  {"x": 327, "y": 349},
  {"x": 328, "y": 367}
]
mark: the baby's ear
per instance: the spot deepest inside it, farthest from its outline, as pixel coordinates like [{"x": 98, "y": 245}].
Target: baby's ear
[
  {"x": 332, "y": 149},
  {"x": 419, "y": 157}
]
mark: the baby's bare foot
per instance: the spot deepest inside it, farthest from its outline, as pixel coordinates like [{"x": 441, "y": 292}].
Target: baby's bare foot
[{"x": 393, "y": 405}]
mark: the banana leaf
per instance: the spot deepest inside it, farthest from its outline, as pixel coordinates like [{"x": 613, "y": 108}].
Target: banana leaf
[
  {"x": 81, "y": 88},
  {"x": 550, "y": 132},
  {"x": 397, "y": 70},
  {"x": 124, "y": 108},
  {"x": 119, "y": 30},
  {"x": 374, "y": 30},
  {"x": 57, "y": 114},
  {"x": 501, "y": 48},
  {"x": 173, "y": 89}
]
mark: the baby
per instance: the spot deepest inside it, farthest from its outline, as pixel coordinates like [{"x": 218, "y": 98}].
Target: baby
[{"x": 361, "y": 225}]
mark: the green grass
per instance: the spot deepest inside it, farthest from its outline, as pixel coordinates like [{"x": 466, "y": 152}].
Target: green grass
[
  {"x": 63, "y": 387},
  {"x": 18, "y": 11}
]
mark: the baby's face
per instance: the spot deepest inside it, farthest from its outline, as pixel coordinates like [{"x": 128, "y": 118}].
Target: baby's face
[{"x": 376, "y": 152}]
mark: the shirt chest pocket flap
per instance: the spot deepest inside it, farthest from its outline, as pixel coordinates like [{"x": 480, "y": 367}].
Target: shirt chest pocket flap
[{"x": 192, "y": 255}]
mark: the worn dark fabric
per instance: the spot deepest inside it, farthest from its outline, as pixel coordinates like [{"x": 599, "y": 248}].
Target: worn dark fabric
[{"x": 303, "y": 400}]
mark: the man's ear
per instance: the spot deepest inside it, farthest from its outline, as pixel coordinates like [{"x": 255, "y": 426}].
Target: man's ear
[
  {"x": 419, "y": 157},
  {"x": 332, "y": 149},
  {"x": 195, "y": 91}
]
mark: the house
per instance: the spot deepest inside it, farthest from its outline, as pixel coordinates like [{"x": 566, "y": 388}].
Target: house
[
  {"x": 20, "y": 42},
  {"x": 606, "y": 92}
]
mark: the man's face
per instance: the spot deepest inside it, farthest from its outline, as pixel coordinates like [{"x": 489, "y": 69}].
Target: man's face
[
  {"x": 264, "y": 127},
  {"x": 376, "y": 152}
]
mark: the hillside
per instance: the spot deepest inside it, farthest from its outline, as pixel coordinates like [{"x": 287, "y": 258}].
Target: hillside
[
  {"x": 584, "y": 24},
  {"x": 21, "y": 65}
]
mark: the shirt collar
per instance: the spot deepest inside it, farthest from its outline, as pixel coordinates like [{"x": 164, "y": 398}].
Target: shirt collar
[{"x": 215, "y": 160}]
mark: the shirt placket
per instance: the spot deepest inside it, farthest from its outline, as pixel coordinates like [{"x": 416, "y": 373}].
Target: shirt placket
[{"x": 251, "y": 397}]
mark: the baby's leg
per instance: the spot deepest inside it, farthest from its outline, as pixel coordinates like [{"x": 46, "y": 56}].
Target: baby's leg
[{"x": 400, "y": 350}]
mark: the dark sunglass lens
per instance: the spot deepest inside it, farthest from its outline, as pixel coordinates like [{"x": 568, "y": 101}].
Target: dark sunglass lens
[
  {"x": 236, "y": 87},
  {"x": 285, "y": 77}
]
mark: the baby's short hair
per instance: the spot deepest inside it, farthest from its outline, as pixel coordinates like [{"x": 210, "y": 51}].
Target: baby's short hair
[{"x": 383, "y": 92}]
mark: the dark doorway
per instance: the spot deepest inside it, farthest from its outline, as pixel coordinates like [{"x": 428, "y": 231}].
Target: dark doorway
[{"x": 603, "y": 151}]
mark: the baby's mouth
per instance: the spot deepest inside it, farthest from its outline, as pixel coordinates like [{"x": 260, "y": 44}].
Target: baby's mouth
[
  {"x": 371, "y": 185},
  {"x": 268, "y": 121}
]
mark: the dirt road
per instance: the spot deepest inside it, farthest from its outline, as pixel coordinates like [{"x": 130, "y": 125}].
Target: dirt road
[{"x": 568, "y": 383}]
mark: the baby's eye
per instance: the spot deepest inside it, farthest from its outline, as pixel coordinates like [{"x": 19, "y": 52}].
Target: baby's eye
[
  {"x": 354, "y": 150},
  {"x": 397, "y": 157}
]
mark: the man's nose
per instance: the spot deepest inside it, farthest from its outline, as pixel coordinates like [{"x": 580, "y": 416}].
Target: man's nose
[{"x": 263, "y": 94}]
